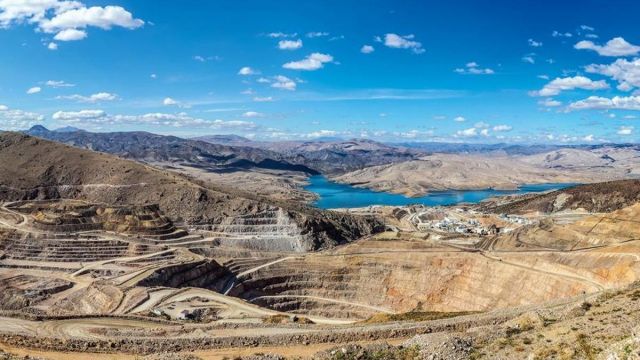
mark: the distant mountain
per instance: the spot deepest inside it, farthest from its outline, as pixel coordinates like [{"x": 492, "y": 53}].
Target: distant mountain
[
  {"x": 333, "y": 157},
  {"x": 148, "y": 147},
  {"x": 67, "y": 129},
  {"x": 224, "y": 139}
]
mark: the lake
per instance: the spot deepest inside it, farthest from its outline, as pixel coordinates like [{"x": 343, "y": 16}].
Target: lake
[{"x": 335, "y": 195}]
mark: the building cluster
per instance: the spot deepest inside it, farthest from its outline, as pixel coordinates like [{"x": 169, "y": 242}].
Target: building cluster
[{"x": 455, "y": 225}]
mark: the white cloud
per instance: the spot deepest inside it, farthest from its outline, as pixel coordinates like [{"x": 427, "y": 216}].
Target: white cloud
[
  {"x": 556, "y": 33},
  {"x": 586, "y": 28},
  {"x": 534, "y": 43},
  {"x": 317, "y": 34},
  {"x": 82, "y": 17},
  {"x": 470, "y": 132},
  {"x": 58, "y": 84},
  {"x": 614, "y": 47},
  {"x": 246, "y": 70},
  {"x": 169, "y": 101},
  {"x": 252, "y": 114},
  {"x": 588, "y": 138},
  {"x": 549, "y": 102},
  {"x": 502, "y": 128},
  {"x": 34, "y": 90},
  {"x": 543, "y": 77},
  {"x": 70, "y": 35},
  {"x": 289, "y": 44},
  {"x": 263, "y": 99},
  {"x": 312, "y": 62},
  {"x": 100, "y": 117},
  {"x": 558, "y": 85},
  {"x": 367, "y": 49},
  {"x": 15, "y": 119},
  {"x": 474, "y": 69},
  {"x": 626, "y": 73},
  {"x": 281, "y": 35},
  {"x": 66, "y": 18},
  {"x": 321, "y": 133},
  {"x": 93, "y": 98},
  {"x": 77, "y": 116},
  {"x": 617, "y": 102},
  {"x": 625, "y": 130},
  {"x": 459, "y": 119},
  {"x": 403, "y": 42},
  {"x": 529, "y": 59},
  {"x": 283, "y": 83}
]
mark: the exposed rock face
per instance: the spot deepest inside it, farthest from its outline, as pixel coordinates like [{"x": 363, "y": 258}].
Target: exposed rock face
[
  {"x": 32, "y": 168},
  {"x": 206, "y": 274},
  {"x": 600, "y": 197}
]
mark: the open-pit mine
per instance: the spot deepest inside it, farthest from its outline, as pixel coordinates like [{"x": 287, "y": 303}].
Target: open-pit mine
[{"x": 85, "y": 277}]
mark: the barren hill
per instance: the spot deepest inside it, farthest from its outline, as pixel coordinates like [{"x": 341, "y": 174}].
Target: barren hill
[
  {"x": 150, "y": 147},
  {"x": 463, "y": 172},
  {"x": 331, "y": 157},
  {"x": 33, "y": 168},
  {"x": 599, "y": 197}
]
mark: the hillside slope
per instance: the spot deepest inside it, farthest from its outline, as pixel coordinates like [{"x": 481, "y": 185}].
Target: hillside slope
[{"x": 33, "y": 168}]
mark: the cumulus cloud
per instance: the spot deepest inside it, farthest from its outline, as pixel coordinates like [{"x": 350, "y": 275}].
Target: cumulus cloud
[
  {"x": 403, "y": 42},
  {"x": 67, "y": 19},
  {"x": 34, "y": 90},
  {"x": 169, "y": 101},
  {"x": 474, "y": 69},
  {"x": 615, "y": 103},
  {"x": 312, "y": 62},
  {"x": 614, "y": 47},
  {"x": 558, "y": 85},
  {"x": 367, "y": 49},
  {"x": 283, "y": 83},
  {"x": 502, "y": 128},
  {"x": 470, "y": 132},
  {"x": 70, "y": 35},
  {"x": 93, "y": 98},
  {"x": 321, "y": 133},
  {"x": 77, "y": 116},
  {"x": 15, "y": 119},
  {"x": 626, "y": 73},
  {"x": 289, "y": 44},
  {"x": 263, "y": 99},
  {"x": 625, "y": 130},
  {"x": 246, "y": 70},
  {"x": 459, "y": 119},
  {"x": 100, "y": 117}
]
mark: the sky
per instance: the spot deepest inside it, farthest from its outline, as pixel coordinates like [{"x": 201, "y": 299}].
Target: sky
[{"x": 397, "y": 71}]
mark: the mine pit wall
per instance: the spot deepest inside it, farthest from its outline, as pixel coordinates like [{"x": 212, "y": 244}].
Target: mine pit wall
[
  {"x": 207, "y": 274},
  {"x": 399, "y": 283}
]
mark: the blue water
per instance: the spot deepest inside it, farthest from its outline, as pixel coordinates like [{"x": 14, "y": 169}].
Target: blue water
[{"x": 335, "y": 195}]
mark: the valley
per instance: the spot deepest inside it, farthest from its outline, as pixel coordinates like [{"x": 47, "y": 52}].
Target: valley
[{"x": 104, "y": 255}]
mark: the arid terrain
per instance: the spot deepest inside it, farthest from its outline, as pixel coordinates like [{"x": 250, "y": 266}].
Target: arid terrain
[{"x": 105, "y": 257}]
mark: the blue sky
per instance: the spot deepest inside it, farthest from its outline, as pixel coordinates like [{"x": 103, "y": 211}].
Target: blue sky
[{"x": 464, "y": 71}]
